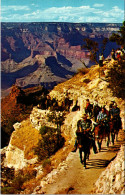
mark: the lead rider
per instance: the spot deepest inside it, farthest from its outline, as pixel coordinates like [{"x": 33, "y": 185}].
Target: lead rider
[{"x": 84, "y": 125}]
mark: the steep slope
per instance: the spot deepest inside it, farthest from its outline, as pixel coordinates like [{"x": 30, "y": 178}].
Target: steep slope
[
  {"x": 88, "y": 84},
  {"x": 45, "y": 70},
  {"x": 17, "y": 107},
  {"x": 83, "y": 85}
]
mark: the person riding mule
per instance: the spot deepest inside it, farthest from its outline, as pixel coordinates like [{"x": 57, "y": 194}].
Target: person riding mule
[
  {"x": 85, "y": 126},
  {"x": 115, "y": 116},
  {"x": 88, "y": 108},
  {"x": 101, "y": 127},
  {"x": 96, "y": 110},
  {"x": 102, "y": 118}
]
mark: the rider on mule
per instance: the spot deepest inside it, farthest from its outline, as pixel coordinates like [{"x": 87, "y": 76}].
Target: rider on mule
[
  {"x": 115, "y": 115},
  {"x": 110, "y": 108},
  {"x": 88, "y": 108},
  {"x": 85, "y": 126},
  {"x": 102, "y": 119},
  {"x": 96, "y": 110}
]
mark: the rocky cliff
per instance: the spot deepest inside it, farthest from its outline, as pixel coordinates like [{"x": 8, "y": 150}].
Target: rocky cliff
[
  {"x": 86, "y": 84},
  {"x": 17, "y": 106},
  {"x": 111, "y": 181}
]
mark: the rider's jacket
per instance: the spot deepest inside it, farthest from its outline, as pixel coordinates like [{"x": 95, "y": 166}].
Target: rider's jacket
[
  {"x": 88, "y": 108},
  {"x": 102, "y": 116},
  {"x": 115, "y": 112},
  {"x": 84, "y": 124}
]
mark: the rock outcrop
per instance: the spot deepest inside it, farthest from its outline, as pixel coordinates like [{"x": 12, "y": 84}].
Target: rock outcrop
[
  {"x": 39, "y": 118},
  {"x": 15, "y": 158},
  {"x": 19, "y": 153},
  {"x": 111, "y": 181},
  {"x": 17, "y": 106}
]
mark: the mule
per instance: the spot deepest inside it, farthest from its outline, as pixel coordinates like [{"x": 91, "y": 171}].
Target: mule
[
  {"x": 101, "y": 132},
  {"x": 115, "y": 125},
  {"x": 84, "y": 145}
]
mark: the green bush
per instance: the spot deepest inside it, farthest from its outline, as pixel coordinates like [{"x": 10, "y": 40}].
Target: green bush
[
  {"x": 8, "y": 190},
  {"x": 46, "y": 162},
  {"x": 43, "y": 130},
  {"x": 15, "y": 182},
  {"x": 116, "y": 78},
  {"x": 51, "y": 141},
  {"x": 18, "y": 181}
]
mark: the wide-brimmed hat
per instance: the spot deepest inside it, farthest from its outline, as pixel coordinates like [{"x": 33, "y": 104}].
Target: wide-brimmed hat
[
  {"x": 84, "y": 115},
  {"x": 115, "y": 104}
]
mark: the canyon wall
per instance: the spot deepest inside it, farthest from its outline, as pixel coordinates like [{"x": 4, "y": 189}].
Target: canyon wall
[{"x": 58, "y": 46}]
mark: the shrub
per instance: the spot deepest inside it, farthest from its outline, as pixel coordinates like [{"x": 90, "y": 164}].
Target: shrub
[
  {"x": 49, "y": 144},
  {"x": 15, "y": 184},
  {"x": 43, "y": 130},
  {"x": 47, "y": 166},
  {"x": 18, "y": 181},
  {"x": 116, "y": 78},
  {"x": 26, "y": 136},
  {"x": 86, "y": 81},
  {"x": 46, "y": 162},
  {"x": 8, "y": 190}
]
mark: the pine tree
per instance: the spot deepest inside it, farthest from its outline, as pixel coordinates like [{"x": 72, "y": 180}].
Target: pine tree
[{"x": 119, "y": 37}]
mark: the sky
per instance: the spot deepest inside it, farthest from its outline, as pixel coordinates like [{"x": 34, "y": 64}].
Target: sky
[{"x": 74, "y": 11}]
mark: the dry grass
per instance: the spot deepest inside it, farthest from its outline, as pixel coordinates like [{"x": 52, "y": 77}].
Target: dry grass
[
  {"x": 30, "y": 185},
  {"x": 61, "y": 154},
  {"x": 26, "y": 138},
  {"x": 81, "y": 79}
]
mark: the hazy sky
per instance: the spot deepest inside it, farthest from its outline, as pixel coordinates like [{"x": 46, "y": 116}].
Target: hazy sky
[{"x": 77, "y": 11}]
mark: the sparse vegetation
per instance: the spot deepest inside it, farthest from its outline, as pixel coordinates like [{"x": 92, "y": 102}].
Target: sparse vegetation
[
  {"x": 119, "y": 37},
  {"x": 17, "y": 182},
  {"x": 51, "y": 141},
  {"x": 92, "y": 47},
  {"x": 26, "y": 137},
  {"x": 46, "y": 162},
  {"x": 17, "y": 106},
  {"x": 116, "y": 78},
  {"x": 47, "y": 166},
  {"x": 57, "y": 118}
]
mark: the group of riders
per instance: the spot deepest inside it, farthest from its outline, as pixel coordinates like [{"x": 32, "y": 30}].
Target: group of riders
[
  {"x": 95, "y": 115},
  {"x": 118, "y": 54}
]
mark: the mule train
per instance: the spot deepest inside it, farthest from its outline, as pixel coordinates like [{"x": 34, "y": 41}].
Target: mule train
[{"x": 86, "y": 137}]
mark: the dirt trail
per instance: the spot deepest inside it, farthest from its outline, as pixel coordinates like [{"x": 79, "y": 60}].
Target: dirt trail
[{"x": 75, "y": 179}]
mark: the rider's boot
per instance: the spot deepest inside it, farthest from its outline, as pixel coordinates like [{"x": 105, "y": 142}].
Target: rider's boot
[
  {"x": 75, "y": 146},
  {"x": 95, "y": 151}
]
